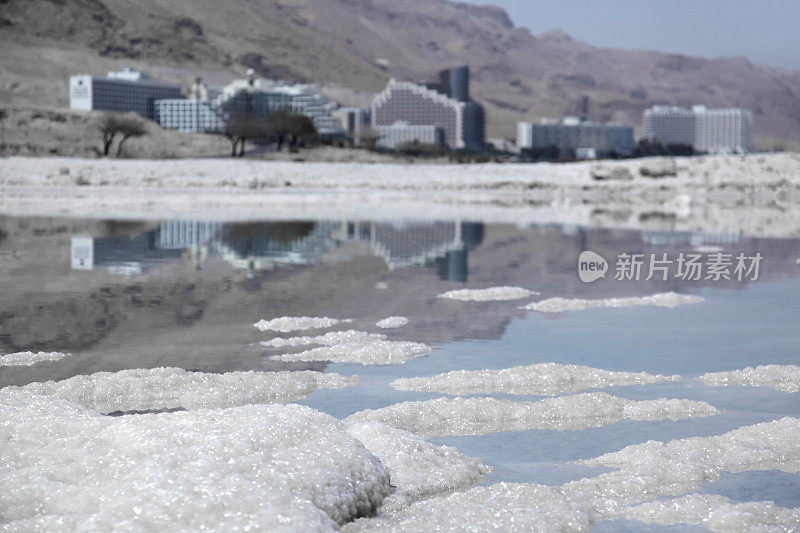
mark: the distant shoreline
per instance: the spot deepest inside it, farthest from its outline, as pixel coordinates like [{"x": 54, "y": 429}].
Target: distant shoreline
[{"x": 754, "y": 194}]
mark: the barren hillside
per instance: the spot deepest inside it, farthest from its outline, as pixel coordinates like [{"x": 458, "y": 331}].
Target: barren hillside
[{"x": 352, "y": 47}]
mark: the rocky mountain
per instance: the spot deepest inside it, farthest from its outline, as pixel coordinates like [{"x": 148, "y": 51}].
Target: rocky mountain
[{"x": 352, "y": 47}]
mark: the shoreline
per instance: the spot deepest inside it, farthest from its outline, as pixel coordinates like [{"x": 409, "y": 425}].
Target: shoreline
[{"x": 754, "y": 194}]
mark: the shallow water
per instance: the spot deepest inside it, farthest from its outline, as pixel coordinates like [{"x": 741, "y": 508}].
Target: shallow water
[{"x": 185, "y": 294}]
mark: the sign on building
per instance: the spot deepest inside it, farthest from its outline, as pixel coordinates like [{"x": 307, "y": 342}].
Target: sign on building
[{"x": 82, "y": 256}]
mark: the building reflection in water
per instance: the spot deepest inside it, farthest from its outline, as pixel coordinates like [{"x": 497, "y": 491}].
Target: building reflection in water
[{"x": 269, "y": 245}]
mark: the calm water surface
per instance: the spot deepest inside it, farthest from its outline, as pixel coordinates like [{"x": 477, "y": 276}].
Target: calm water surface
[{"x": 141, "y": 294}]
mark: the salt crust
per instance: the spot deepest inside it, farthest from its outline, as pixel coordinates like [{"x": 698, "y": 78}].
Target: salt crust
[
  {"x": 716, "y": 513},
  {"x": 646, "y": 472},
  {"x": 479, "y": 416},
  {"x": 171, "y": 388},
  {"x": 485, "y": 295},
  {"x": 663, "y": 299},
  {"x": 30, "y": 358},
  {"x": 543, "y": 379},
  {"x": 392, "y": 322},
  {"x": 379, "y": 352},
  {"x": 329, "y": 339},
  {"x": 278, "y": 467},
  {"x": 294, "y": 323},
  {"x": 784, "y": 378},
  {"x": 417, "y": 468}
]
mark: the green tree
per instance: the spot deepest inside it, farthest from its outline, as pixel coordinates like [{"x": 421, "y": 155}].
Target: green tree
[
  {"x": 241, "y": 127},
  {"x": 285, "y": 124},
  {"x": 131, "y": 127},
  {"x": 113, "y": 125}
]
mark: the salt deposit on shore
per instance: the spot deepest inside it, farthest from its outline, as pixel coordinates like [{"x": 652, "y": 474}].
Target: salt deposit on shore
[
  {"x": 30, "y": 358},
  {"x": 173, "y": 388},
  {"x": 784, "y": 378},
  {"x": 487, "y": 295},
  {"x": 739, "y": 170},
  {"x": 705, "y": 195},
  {"x": 500, "y": 507},
  {"x": 765, "y": 446},
  {"x": 392, "y": 322},
  {"x": 646, "y": 472},
  {"x": 417, "y": 468},
  {"x": 543, "y": 379},
  {"x": 717, "y": 513},
  {"x": 331, "y": 338},
  {"x": 479, "y": 416},
  {"x": 284, "y": 467},
  {"x": 285, "y": 324},
  {"x": 664, "y": 299},
  {"x": 380, "y": 352}
]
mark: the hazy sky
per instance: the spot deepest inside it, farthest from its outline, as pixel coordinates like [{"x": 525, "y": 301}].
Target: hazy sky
[{"x": 766, "y": 31}]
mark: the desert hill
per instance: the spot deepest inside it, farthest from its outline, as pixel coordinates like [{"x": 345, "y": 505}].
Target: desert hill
[{"x": 352, "y": 47}]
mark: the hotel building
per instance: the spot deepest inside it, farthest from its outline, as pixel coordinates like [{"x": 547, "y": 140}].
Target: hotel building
[
  {"x": 444, "y": 103},
  {"x": 577, "y": 137},
  {"x": 706, "y": 130},
  {"x": 124, "y": 92}
]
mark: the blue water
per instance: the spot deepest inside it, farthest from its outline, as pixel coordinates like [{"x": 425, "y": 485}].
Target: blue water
[
  {"x": 194, "y": 309},
  {"x": 731, "y": 329}
]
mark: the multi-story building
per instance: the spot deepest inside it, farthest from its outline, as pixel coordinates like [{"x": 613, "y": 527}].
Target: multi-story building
[
  {"x": 722, "y": 130},
  {"x": 189, "y": 115},
  {"x": 125, "y": 91},
  {"x": 261, "y": 97},
  {"x": 576, "y": 137},
  {"x": 672, "y": 126},
  {"x": 444, "y": 103},
  {"x": 401, "y": 133},
  {"x": 353, "y": 120},
  {"x": 704, "y": 129}
]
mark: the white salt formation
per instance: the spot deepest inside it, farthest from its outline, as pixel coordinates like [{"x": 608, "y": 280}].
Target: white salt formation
[
  {"x": 294, "y": 323},
  {"x": 716, "y": 513},
  {"x": 646, "y": 472},
  {"x": 544, "y": 379},
  {"x": 784, "y": 378},
  {"x": 663, "y": 299},
  {"x": 500, "y": 507},
  {"x": 486, "y": 295},
  {"x": 479, "y": 416},
  {"x": 417, "y": 468},
  {"x": 30, "y": 358},
  {"x": 278, "y": 467},
  {"x": 392, "y": 322},
  {"x": 765, "y": 446},
  {"x": 379, "y": 352},
  {"x": 172, "y": 388},
  {"x": 329, "y": 339}
]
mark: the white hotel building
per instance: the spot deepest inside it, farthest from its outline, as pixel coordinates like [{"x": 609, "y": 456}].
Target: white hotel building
[
  {"x": 261, "y": 97},
  {"x": 572, "y": 134},
  {"x": 400, "y": 133},
  {"x": 189, "y": 115},
  {"x": 405, "y": 106},
  {"x": 707, "y": 130},
  {"x": 125, "y": 91}
]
